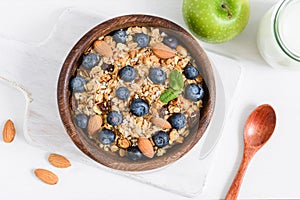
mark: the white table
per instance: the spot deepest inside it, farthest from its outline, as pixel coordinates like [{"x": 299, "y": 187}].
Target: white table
[{"x": 274, "y": 171}]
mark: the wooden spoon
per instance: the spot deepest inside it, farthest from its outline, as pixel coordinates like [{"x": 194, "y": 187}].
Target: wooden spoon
[{"x": 258, "y": 129}]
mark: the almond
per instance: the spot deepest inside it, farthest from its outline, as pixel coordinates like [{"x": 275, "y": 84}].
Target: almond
[
  {"x": 173, "y": 135},
  {"x": 95, "y": 123},
  {"x": 163, "y": 51},
  {"x": 146, "y": 147},
  {"x": 103, "y": 48},
  {"x": 181, "y": 50},
  {"x": 46, "y": 176},
  {"x": 161, "y": 123},
  {"x": 59, "y": 161},
  {"x": 9, "y": 131}
]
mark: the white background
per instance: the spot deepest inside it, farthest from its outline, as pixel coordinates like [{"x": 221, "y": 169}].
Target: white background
[{"x": 273, "y": 173}]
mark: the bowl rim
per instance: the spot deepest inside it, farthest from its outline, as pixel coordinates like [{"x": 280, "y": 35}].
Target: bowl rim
[{"x": 64, "y": 94}]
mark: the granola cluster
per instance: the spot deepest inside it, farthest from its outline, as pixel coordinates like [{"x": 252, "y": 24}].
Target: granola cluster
[{"x": 110, "y": 119}]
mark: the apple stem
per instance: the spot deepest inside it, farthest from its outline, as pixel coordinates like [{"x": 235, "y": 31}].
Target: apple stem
[{"x": 225, "y": 6}]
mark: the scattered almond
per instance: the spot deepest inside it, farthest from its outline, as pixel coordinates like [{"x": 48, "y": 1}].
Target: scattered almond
[
  {"x": 59, "y": 161},
  {"x": 9, "y": 131},
  {"x": 163, "y": 51},
  {"x": 95, "y": 123},
  {"x": 103, "y": 48},
  {"x": 46, "y": 176},
  {"x": 161, "y": 123},
  {"x": 146, "y": 147}
]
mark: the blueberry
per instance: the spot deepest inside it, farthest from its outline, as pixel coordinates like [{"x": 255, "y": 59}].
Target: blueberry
[
  {"x": 139, "y": 107},
  {"x": 177, "y": 121},
  {"x": 194, "y": 92},
  {"x": 122, "y": 93},
  {"x": 157, "y": 76},
  {"x": 77, "y": 84},
  {"x": 114, "y": 118},
  {"x": 142, "y": 39},
  {"x": 120, "y": 36},
  {"x": 170, "y": 41},
  {"x": 191, "y": 72},
  {"x": 106, "y": 136},
  {"x": 134, "y": 153},
  {"x": 160, "y": 139},
  {"x": 81, "y": 120},
  {"x": 90, "y": 60},
  {"x": 127, "y": 73}
]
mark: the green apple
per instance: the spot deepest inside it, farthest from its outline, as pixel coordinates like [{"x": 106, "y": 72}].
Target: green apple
[{"x": 216, "y": 21}]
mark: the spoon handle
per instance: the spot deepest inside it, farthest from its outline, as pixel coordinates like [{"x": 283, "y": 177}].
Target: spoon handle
[{"x": 235, "y": 186}]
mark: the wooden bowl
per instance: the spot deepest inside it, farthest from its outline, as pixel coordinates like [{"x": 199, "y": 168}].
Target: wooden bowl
[{"x": 73, "y": 61}]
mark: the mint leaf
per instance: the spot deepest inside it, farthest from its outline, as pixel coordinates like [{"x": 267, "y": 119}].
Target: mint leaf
[
  {"x": 176, "y": 80},
  {"x": 176, "y": 87},
  {"x": 169, "y": 95}
]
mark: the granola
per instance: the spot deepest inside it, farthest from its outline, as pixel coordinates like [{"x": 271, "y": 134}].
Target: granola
[{"x": 140, "y": 82}]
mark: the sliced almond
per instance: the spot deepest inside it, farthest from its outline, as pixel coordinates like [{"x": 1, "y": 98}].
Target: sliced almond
[
  {"x": 146, "y": 147},
  {"x": 95, "y": 123},
  {"x": 59, "y": 161},
  {"x": 163, "y": 51},
  {"x": 161, "y": 123},
  {"x": 181, "y": 50},
  {"x": 103, "y": 48},
  {"x": 46, "y": 176},
  {"x": 173, "y": 135},
  {"x": 9, "y": 131}
]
